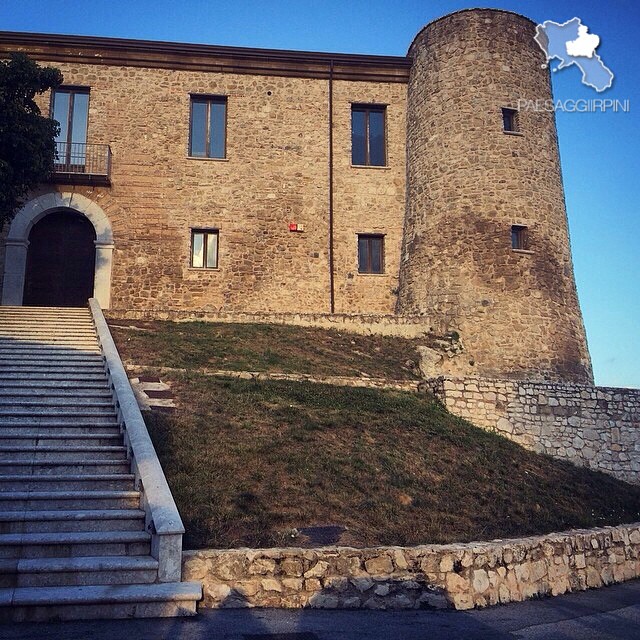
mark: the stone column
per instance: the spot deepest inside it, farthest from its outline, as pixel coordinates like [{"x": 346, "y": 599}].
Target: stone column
[
  {"x": 102, "y": 281},
  {"x": 15, "y": 266}
]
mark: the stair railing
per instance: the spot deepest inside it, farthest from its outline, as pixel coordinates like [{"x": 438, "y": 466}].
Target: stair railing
[{"x": 162, "y": 519}]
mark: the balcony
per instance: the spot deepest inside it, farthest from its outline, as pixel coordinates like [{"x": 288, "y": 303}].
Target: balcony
[{"x": 79, "y": 163}]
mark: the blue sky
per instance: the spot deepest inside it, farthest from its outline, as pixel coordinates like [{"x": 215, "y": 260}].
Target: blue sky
[{"x": 599, "y": 152}]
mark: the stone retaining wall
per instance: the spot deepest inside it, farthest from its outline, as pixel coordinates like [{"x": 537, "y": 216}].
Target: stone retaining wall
[
  {"x": 596, "y": 427},
  {"x": 462, "y": 576},
  {"x": 339, "y": 381},
  {"x": 384, "y": 325}
]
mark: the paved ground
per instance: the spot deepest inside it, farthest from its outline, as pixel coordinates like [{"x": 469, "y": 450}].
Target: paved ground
[{"x": 612, "y": 613}]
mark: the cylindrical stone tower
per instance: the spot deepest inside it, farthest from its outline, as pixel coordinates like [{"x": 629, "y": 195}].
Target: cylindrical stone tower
[{"x": 486, "y": 245}]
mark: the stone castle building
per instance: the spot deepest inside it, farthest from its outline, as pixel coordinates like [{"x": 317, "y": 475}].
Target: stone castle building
[{"x": 221, "y": 180}]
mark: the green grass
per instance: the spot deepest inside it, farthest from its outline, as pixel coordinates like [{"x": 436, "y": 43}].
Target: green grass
[
  {"x": 264, "y": 347},
  {"x": 250, "y": 461}
]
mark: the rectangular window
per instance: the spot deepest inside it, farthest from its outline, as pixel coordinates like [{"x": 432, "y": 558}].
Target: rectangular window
[
  {"x": 519, "y": 237},
  {"x": 208, "y": 135},
  {"x": 368, "y": 145},
  {"x": 70, "y": 107},
  {"x": 510, "y": 120},
  {"x": 204, "y": 248},
  {"x": 370, "y": 253}
]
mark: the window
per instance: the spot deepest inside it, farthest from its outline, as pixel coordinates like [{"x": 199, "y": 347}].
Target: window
[
  {"x": 370, "y": 253},
  {"x": 70, "y": 107},
  {"x": 368, "y": 136},
  {"x": 510, "y": 120},
  {"x": 204, "y": 248},
  {"x": 519, "y": 237},
  {"x": 208, "y": 137}
]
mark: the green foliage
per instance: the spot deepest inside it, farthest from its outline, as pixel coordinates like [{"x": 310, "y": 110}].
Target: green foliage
[{"x": 27, "y": 139}]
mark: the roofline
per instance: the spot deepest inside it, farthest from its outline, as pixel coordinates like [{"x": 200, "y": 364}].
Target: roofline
[{"x": 204, "y": 57}]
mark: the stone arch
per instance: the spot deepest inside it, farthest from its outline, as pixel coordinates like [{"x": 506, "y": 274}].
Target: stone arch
[{"x": 17, "y": 243}]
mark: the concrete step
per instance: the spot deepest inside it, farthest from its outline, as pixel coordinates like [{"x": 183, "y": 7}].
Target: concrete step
[
  {"x": 82, "y": 520},
  {"x": 62, "y": 383},
  {"x": 41, "y": 604},
  {"x": 63, "y": 311},
  {"x": 101, "y": 570},
  {"x": 51, "y": 341},
  {"x": 71, "y": 482},
  {"x": 74, "y": 544},
  {"x": 39, "y": 325},
  {"x": 103, "y": 408},
  {"x": 72, "y": 430},
  {"x": 51, "y": 401},
  {"x": 69, "y": 500},
  {"x": 78, "y": 343},
  {"x": 53, "y": 379},
  {"x": 47, "y": 359},
  {"x": 45, "y": 317},
  {"x": 33, "y": 416},
  {"x": 36, "y": 348},
  {"x": 61, "y": 453},
  {"x": 56, "y": 439},
  {"x": 60, "y": 468},
  {"x": 35, "y": 324},
  {"x": 44, "y": 335},
  {"x": 60, "y": 422},
  {"x": 7, "y": 368},
  {"x": 19, "y": 329},
  {"x": 33, "y": 394}
]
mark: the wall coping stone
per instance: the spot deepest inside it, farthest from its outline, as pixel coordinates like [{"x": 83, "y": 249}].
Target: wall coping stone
[{"x": 162, "y": 517}]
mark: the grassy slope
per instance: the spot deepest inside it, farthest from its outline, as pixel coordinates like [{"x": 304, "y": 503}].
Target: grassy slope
[
  {"x": 248, "y": 461},
  {"x": 256, "y": 347}
]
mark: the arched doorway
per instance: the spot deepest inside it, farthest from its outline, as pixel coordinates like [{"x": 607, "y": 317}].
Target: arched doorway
[
  {"x": 60, "y": 261},
  {"x": 37, "y": 209}
]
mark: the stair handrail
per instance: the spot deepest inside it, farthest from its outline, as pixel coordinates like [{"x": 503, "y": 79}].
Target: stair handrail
[{"x": 162, "y": 518}]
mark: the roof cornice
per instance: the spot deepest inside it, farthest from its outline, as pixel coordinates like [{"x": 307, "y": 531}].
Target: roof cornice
[{"x": 208, "y": 58}]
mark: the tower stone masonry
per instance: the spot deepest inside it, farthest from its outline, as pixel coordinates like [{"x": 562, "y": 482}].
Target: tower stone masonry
[{"x": 469, "y": 183}]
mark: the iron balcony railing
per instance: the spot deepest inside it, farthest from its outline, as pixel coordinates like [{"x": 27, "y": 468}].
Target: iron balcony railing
[{"x": 83, "y": 162}]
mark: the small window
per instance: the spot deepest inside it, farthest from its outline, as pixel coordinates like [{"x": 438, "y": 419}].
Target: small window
[
  {"x": 519, "y": 237},
  {"x": 204, "y": 248},
  {"x": 370, "y": 253},
  {"x": 368, "y": 145},
  {"x": 510, "y": 120},
  {"x": 208, "y": 136}
]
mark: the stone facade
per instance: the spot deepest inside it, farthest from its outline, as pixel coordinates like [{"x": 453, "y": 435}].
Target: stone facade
[
  {"x": 463, "y": 576},
  {"x": 452, "y": 185},
  {"x": 596, "y": 427}
]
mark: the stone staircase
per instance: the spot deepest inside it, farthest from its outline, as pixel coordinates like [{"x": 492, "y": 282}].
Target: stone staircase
[{"x": 76, "y": 530}]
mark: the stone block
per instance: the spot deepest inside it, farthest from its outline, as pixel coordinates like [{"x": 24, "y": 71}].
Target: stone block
[
  {"x": 480, "y": 581},
  {"x": 319, "y": 570},
  {"x": 379, "y": 565}
]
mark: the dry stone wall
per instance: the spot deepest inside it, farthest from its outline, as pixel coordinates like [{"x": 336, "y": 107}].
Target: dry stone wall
[
  {"x": 596, "y": 427},
  {"x": 463, "y": 576}
]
